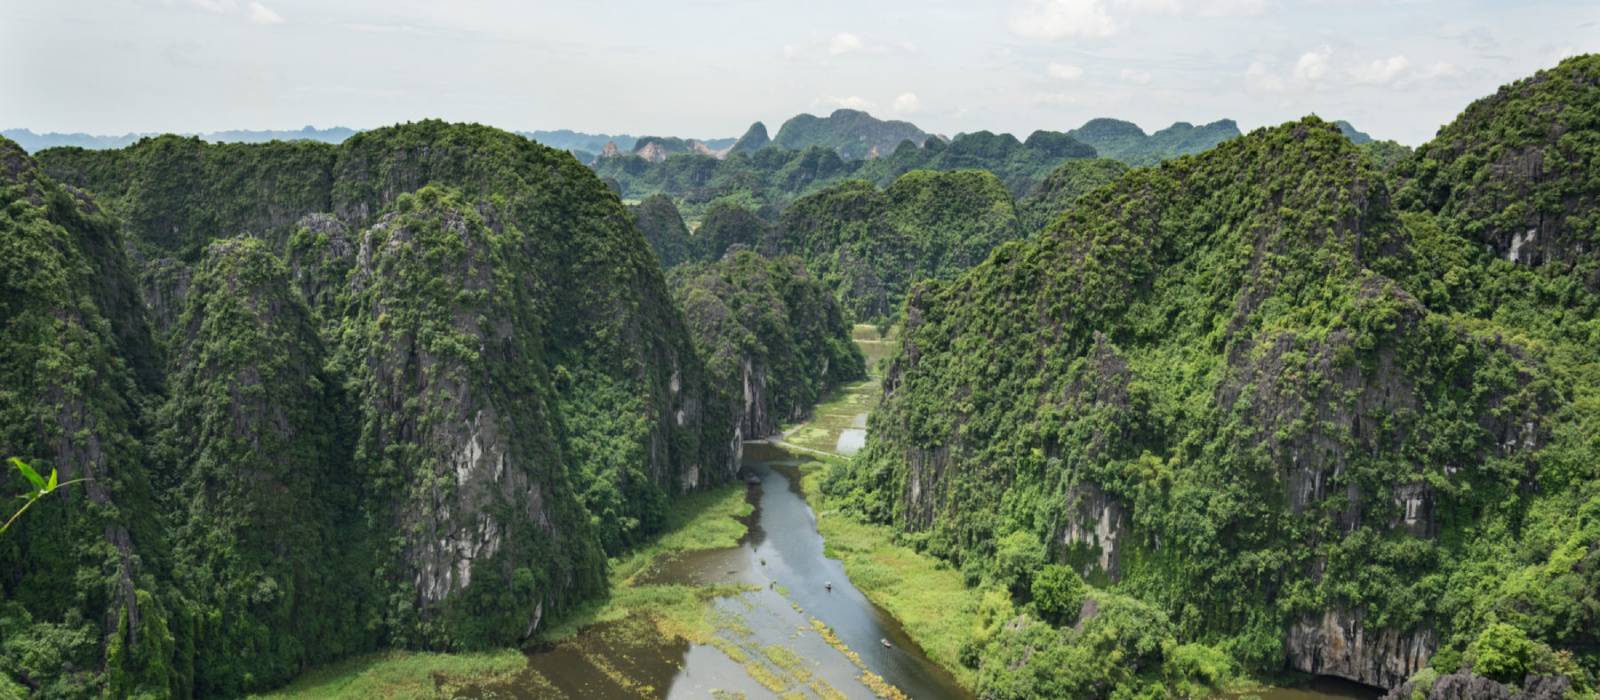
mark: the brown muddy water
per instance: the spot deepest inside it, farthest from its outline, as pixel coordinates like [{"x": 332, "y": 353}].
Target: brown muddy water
[{"x": 781, "y": 559}]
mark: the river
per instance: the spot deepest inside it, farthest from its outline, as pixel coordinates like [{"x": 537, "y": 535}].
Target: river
[{"x": 790, "y": 583}]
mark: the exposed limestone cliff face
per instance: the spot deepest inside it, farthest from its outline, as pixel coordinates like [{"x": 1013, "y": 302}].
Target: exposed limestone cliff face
[
  {"x": 1338, "y": 644},
  {"x": 1513, "y": 172},
  {"x": 774, "y": 340}
]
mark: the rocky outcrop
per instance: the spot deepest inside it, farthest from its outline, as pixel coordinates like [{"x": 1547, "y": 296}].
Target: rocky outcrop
[
  {"x": 1337, "y": 643},
  {"x": 255, "y": 542},
  {"x": 496, "y": 331},
  {"x": 460, "y": 436},
  {"x": 1465, "y": 685},
  {"x": 1509, "y": 173},
  {"x": 320, "y": 255},
  {"x": 78, "y": 565}
]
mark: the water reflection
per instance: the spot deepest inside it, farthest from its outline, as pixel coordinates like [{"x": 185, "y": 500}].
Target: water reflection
[{"x": 768, "y": 629}]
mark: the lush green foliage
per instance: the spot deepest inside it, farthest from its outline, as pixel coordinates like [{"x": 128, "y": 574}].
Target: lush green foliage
[
  {"x": 1058, "y": 592},
  {"x": 1059, "y": 191},
  {"x": 489, "y": 388},
  {"x": 775, "y": 176},
  {"x": 264, "y": 535},
  {"x": 76, "y": 613},
  {"x": 1245, "y": 389},
  {"x": 663, "y": 228},
  {"x": 854, "y": 134},
  {"x": 774, "y": 340},
  {"x": 727, "y": 224},
  {"x": 870, "y": 246},
  {"x": 1126, "y": 142},
  {"x": 1021, "y": 165}
]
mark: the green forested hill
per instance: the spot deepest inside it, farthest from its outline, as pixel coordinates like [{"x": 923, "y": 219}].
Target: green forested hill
[
  {"x": 407, "y": 391},
  {"x": 82, "y": 608},
  {"x": 774, "y": 340},
  {"x": 870, "y": 245},
  {"x": 663, "y": 228},
  {"x": 852, "y": 133},
  {"x": 1063, "y": 187},
  {"x": 1284, "y": 401},
  {"x": 1126, "y": 142}
]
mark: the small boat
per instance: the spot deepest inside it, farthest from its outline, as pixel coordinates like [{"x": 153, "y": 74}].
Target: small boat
[
  {"x": 886, "y": 644},
  {"x": 828, "y": 585},
  {"x": 753, "y": 480}
]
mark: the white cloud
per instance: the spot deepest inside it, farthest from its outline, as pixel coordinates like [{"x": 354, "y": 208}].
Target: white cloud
[
  {"x": 1065, "y": 71},
  {"x": 907, "y": 103},
  {"x": 845, "y": 42},
  {"x": 1230, "y": 8},
  {"x": 1260, "y": 77},
  {"x": 1151, "y": 7},
  {"x": 1063, "y": 19},
  {"x": 848, "y": 102},
  {"x": 261, "y": 14},
  {"x": 1313, "y": 65},
  {"x": 1381, "y": 71},
  {"x": 218, "y": 6},
  {"x": 1201, "y": 8},
  {"x": 1137, "y": 77},
  {"x": 1434, "y": 71}
]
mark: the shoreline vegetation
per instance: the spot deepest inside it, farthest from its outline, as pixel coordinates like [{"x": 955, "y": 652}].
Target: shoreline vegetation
[{"x": 702, "y": 521}]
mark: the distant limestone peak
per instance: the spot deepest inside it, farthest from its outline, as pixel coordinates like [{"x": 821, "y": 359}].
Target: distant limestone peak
[{"x": 755, "y": 138}]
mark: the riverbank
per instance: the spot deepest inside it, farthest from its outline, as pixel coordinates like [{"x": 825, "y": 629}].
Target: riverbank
[
  {"x": 698, "y": 522},
  {"x": 927, "y": 597},
  {"x": 923, "y": 593}
]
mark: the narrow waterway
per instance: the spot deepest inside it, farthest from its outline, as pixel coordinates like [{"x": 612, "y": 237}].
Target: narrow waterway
[{"x": 770, "y": 631}]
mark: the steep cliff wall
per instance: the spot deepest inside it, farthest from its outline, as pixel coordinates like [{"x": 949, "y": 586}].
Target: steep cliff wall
[
  {"x": 774, "y": 340},
  {"x": 1213, "y": 385}
]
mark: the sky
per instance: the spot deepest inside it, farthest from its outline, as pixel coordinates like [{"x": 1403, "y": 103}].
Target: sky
[{"x": 707, "y": 68}]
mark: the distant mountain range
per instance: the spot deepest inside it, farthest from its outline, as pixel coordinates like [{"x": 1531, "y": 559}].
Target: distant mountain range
[
  {"x": 853, "y": 134},
  {"x": 569, "y": 140},
  {"x": 35, "y": 142},
  {"x": 1125, "y": 141}
]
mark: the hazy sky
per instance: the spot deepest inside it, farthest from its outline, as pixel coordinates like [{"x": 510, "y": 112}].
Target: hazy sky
[{"x": 708, "y": 68}]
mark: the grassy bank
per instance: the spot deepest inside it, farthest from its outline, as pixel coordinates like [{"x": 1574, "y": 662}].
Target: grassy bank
[
  {"x": 700, "y": 521},
  {"x": 401, "y": 675},
  {"x": 927, "y": 596}
]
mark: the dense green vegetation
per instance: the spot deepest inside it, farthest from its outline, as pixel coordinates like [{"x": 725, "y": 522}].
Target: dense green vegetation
[
  {"x": 727, "y": 224},
  {"x": 870, "y": 246},
  {"x": 1059, "y": 191},
  {"x": 774, "y": 340},
  {"x": 658, "y": 219},
  {"x": 853, "y": 134},
  {"x": 241, "y": 449},
  {"x": 775, "y": 176},
  {"x": 1271, "y": 401},
  {"x": 1126, "y": 142},
  {"x": 434, "y": 382}
]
